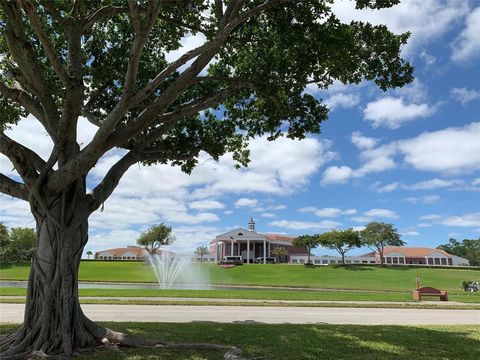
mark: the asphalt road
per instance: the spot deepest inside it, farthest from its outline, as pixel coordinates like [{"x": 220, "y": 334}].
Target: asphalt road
[{"x": 263, "y": 314}]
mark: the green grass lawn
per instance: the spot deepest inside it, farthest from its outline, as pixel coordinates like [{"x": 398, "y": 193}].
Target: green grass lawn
[
  {"x": 334, "y": 277},
  {"x": 302, "y": 342},
  {"x": 256, "y": 294}
]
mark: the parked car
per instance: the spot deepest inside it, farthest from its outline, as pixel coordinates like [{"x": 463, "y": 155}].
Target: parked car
[
  {"x": 234, "y": 260},
  {"x": 268, "y": 260}
]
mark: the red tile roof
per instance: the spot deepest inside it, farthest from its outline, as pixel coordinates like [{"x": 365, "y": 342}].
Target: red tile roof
[
  {"x": 279, "y": 237},
  {"x": 413, "y": 251},
  {"x": 138, "y": 251}
]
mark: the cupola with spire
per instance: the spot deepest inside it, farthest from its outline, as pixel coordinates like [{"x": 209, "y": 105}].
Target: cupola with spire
[{"x": 251, "y": 225}]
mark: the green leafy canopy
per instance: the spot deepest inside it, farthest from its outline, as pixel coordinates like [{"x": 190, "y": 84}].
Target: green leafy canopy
[{"x": 112, "y": 64}]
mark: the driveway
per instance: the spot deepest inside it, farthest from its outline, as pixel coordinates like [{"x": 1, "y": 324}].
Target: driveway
[{"x": 263, "y": 314}]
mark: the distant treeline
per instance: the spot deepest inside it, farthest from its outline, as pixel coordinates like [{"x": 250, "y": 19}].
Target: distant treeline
[
  {"x": 467, "y": 248},
  {"x": 17, "y": 244}
]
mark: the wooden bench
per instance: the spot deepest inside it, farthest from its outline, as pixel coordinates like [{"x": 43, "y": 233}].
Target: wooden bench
[{"x": 429, "y": 291}]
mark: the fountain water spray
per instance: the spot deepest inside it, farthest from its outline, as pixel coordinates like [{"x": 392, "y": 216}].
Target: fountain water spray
[{"x": 176, "y": 271}]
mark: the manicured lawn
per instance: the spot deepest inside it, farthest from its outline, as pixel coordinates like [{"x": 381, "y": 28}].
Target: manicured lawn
[
  {"x": 303, "y": 341},
  {"x": 335, "y": 277},
  {"x": 256, "y": 294}
]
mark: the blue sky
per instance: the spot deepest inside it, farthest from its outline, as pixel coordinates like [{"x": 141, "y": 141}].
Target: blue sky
[{"x": 409, "y": 156}]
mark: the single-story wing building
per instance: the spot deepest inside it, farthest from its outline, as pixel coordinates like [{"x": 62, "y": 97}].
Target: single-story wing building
[
  {"x": 420, "y": 256},
  {"x": 130, "y": 252},
  {"x": 392, "y": 256}
]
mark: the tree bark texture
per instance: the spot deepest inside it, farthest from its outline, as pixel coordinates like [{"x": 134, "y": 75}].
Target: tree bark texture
[{"x": 54, "y": 322}]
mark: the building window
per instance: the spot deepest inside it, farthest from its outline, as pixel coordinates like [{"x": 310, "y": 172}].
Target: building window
[
  {"x": 372, "y": 262},
  {"x": 389, "y": 260},
  {"x": 444, "y": 261},
  {"x": 430, "y": 261},
  {"x": 324, "y": 261},
  {"x": 332, "y": 261},
  {"x": 437, "y": 261},
  {"x": 402, "y": 260},
  {"x": 364, "y": 262},
  {"x": 348, "y": 261},
  {"x": 356, "y": 261},
  {"x": 317, "y": 261},
  {"x": 395, "y": 260}
]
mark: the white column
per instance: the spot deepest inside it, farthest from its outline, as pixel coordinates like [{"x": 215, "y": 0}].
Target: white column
[
  {"x": 231, "y": 248},
  {"x": 248, "y": 251},
  {"x": 264, "y": 252}
]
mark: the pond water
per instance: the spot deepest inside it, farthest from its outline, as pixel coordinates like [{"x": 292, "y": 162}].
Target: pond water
[{"x": 99, "y": 285}]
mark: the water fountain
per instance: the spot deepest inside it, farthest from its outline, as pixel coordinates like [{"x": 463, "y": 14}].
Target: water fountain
[{"x": 177, "y": 271}]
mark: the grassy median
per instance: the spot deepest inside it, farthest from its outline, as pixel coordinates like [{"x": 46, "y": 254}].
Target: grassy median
[
  {"x": 465, "y": 297},
  {"x": 308, "y": 342},
  {"x": 399, "y": 278}
]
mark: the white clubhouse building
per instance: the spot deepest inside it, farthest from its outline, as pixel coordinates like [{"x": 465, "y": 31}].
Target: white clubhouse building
[{"x": 251, "y": 245}]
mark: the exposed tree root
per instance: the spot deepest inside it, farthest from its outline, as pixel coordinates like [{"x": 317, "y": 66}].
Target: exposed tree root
[
  {"x": 121, "y": 339},
  {"x": 114, "y": 341}
]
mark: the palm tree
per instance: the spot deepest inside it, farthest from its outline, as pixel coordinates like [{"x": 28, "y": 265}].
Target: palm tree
[
  {"x": 202, "y": 251},
  {"x": 89, "y": 253}
]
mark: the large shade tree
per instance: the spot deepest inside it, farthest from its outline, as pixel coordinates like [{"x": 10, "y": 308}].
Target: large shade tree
[
  {"x": 307, "y": 242},
  {"x": 378, "y": 235},
  {"x": 340, "y": 240},
  {"x": 106, "y": 61},
  {"x": 156, "y": 237}
]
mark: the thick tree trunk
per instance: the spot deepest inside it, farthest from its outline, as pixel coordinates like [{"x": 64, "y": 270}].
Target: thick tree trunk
[{"x": 54, "y": 322}]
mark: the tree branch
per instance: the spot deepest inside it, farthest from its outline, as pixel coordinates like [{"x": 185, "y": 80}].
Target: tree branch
[
  {"x": 182, "y": 24},
  {"x": 45, "y": 41},
  {"x": 216, "y": 42},
  {"x": 13, "y": 188},
  {"x": 105, "y": 188},
  {"x": 102, "y": 140},
  {"x": 26, "y": 162},
  {"x": 25, "y": 100},
  {"x": 26, "y": 59},
  {"x": 102, "y": 13}
]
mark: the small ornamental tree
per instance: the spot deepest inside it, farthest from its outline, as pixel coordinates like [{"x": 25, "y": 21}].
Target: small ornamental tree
[
  {"x": 201, "y": 251},
  {"x": 156, "y": 237},
  {"x": 106, "y": 61},
  {"x": 340, "y": 240},
  {"x": 308, "y": 242},
  {"x": 89, "y": 253},
  {"x": 279, "y": 252},
  {"x": 378, "y": 235}
]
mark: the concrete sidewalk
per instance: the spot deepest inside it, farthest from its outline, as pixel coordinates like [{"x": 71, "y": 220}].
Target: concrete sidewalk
[
  {"x": 253, "y": 301},
  {"x": 263, "y": 314}
]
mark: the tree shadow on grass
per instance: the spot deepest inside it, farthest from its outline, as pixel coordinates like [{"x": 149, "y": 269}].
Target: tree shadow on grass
[
  {"x": 400, "y": 267},
  {"x": 353, "y": 267},
  {"x": 309, "y": 342},
  {"x": 5, "y": 265}
]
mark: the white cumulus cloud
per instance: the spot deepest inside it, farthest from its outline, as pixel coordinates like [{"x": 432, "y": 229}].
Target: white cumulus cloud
[
  {"x": 394, "y": 112},
  {"x": 464, "y": 95},
  {"x": 466, "y": 46}
]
